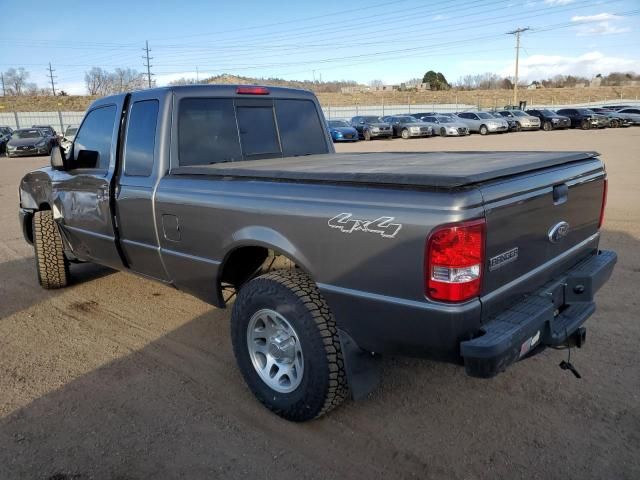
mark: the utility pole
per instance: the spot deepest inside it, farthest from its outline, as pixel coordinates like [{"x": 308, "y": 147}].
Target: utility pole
[
  {"x": 147, "y": 64},
  {"x": 4, "y": 93},
  {"x": 197, "y": 75},
  {"x": 517, "y": 33},
  {"x": 51, "y": 77}
]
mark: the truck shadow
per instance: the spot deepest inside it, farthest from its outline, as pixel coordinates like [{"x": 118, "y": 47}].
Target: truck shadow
[
  {"x": 19, "y": 284},
  {"x": 178, "y": 407}
]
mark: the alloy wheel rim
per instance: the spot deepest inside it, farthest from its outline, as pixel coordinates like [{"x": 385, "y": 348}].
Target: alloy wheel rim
[{"x": 275, "y": 350}]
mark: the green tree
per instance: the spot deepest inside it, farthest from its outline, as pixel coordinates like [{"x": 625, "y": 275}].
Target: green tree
[{"x": 436, "y": 80}]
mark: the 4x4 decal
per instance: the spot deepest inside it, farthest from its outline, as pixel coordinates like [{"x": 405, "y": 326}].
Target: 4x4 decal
[{"x": 382, "y": 226}]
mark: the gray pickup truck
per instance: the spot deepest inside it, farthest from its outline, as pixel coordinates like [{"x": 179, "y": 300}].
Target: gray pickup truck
[{"x": 236, "y": 192}]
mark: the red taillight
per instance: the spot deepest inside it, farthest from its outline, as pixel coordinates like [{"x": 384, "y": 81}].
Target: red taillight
[
  {"x": 605, "y": 189},
  {"x": 454, "y": 261},
  {"x": 252, "y": 90}
]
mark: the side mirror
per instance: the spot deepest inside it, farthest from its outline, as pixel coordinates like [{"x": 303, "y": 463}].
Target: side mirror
[
  {"x": 57, "y": 158},
  {"x": 87, "y": 159}
]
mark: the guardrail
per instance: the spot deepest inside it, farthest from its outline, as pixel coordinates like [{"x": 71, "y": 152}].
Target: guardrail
[{"x": 61, "y": 120}]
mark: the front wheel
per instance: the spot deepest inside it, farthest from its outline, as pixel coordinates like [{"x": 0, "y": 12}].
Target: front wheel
[
  {"x": 405, "y": 133},
  {"x": 585, "y": 125},
  {"x": 483, "y": 130},
  {"x": 443, "y": 132},
  {"x": 51, "y": 264},
  {"x": 286, "y": 343},
  {"x": 546, "y": 126},
  {"x": 367, "y": 135}
]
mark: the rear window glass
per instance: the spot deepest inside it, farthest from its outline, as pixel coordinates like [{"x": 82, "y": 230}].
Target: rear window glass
[
  {"x": 213, "y": 130},
  {"x": 301, "y": 132},
  {"x": 258, "y": 130},
  {"x": 207, "y": 131}
]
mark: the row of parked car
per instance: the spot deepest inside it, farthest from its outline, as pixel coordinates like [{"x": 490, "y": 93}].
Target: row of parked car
[
  {"x": 37, "y": 140},
  {"x": 427, "y": 124}
]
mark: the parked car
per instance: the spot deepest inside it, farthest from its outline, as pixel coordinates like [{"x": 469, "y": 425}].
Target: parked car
[
  {"x": 483, "y": 122},
  {"x": 447, "y": 126},
  {"x": 341, "y": 131},
  {"x": 370, "y": 127},
  {"x": 526, "y": 121},
  {"x": 550, "y": 120},
  {"x": 49, "y": 132},
  {"x": 631, "y": 113},
  {"x": 615, "y": 120},
  {"x": 5, "y": 135},
  {"x": 406, "y": 126},
  {"x": 481, "y": 258},
  {"x": 514, "y": 126},
  {"x": 68, "y": 136},
  {"x": 28, "y": 141},
  {"x": 583, "y": 118}
]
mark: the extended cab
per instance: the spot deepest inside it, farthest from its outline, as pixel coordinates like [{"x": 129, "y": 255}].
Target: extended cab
[{"x": 479, "y": 258}]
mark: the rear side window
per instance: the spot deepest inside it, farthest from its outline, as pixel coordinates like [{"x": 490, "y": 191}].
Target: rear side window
[
  {"x": 141, "y": 138},
  {"x": 95, "y": 135},
  {"x": 258, "y": 131},
  {"x": 207, "y": 131}
]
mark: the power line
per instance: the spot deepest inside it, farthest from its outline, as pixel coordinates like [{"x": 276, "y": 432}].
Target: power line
[
  {"x": 51, "y": 77},
  {"x": 148, "y": 65}
]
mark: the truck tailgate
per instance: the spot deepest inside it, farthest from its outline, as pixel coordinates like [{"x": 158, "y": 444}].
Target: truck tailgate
[{"x": 538, "y": 225}]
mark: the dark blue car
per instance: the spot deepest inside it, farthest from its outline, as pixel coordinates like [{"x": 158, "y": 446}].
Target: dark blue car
[{"x": 341, "y": 131}]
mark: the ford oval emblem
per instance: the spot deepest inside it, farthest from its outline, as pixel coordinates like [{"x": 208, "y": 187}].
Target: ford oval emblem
[{"x": 558, "y": 232}]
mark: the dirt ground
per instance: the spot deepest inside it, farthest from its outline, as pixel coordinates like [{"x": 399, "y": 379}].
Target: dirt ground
[{"x": 118, "y": 377}]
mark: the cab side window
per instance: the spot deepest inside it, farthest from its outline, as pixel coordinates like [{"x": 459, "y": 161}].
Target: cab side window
[
  {"x": 141, "y": 138},
  {"x": 92, "y": 145}
]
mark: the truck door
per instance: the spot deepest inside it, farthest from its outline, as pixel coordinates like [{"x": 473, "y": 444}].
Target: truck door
[
  {"x": 139, "y": 173},
  {"x": 81, "y": 193}
]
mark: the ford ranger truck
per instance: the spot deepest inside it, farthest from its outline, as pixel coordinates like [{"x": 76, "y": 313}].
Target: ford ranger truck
[{"x": 235, "y": 195}]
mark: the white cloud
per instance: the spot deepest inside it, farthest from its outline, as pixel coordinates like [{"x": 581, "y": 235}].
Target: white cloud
[
  {"x": 536, "y": 67},
  {"x": 439, "y": 17},
  {"x": 599, "y": 24},
  {"x": 558, "y": 2}
]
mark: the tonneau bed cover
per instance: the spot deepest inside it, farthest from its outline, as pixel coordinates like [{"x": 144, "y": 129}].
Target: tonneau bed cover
[{"x": 430, "y": 169}]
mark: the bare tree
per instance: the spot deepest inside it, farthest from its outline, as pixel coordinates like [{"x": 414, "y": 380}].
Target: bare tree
[
  {"x": 98, "y": 81},
  {"x": 183, "y": 81},
  {"x": 376, "y": 83},
  {"x": 16, "y": 81},
  {"x": 126, "y": 80}
]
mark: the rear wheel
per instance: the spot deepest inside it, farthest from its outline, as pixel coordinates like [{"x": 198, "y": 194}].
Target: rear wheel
[
  {"x": 546, "y": 126},
  {"x": 483, "y": 130},
  {"x": 367, "y": 135},
  {"x": 614, "y": 123},
  {"x": 51, "y": 264},
  {"x": 286, "y": 344},
  {"x": 405, "y": 133}
]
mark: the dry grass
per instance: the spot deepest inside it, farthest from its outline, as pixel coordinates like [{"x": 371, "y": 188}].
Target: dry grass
[{"x": 482, "y": 98}]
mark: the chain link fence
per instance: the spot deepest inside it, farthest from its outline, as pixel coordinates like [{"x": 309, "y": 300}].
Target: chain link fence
[{"x": 61, "y": 120}]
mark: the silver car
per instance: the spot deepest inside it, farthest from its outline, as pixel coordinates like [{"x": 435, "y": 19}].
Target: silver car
[
  {"x": 447, "y": 126},
  {"x": 68, "y": 136},
  {"x": 630, "y": 113},
  {"x": 483, "y": 122},
  {"x": 526, "y": 121}
]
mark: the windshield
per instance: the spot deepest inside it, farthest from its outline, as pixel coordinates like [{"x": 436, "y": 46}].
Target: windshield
[
  {"x": 585, "y": 111},
  {"x": 408, "y": 119},
  {"x": 444, "y": 119},
  {"x": 484, "y": 115},
  {"x": 519, "y": 113},
  {"x": 70, "y": 131},
  {"x": 549, "y": 113},
  {"x": 337, "y": 123},
  {"x": 27, "y": 134},
  {"x": 371, "y": 119}
]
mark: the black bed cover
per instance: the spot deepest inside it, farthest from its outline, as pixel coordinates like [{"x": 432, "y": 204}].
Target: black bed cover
[{"x": 430, "y": 169}]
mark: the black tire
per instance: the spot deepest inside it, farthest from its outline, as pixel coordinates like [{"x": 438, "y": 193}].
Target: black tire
[
  {"x": 547, "y": 127},
  {"x": 51, "y": 264},
  {"x": 443, "y": 132},
  {"x": 518, "y": 127},
  {"x": 614, "y": 123},
  {"x": 294, "y": 295},
  {"x": 367, "y": 135},
  {"x": 585, "y": 125},
  {"x": 405, "y": 134},
  {"x": 483, "y": 130}
]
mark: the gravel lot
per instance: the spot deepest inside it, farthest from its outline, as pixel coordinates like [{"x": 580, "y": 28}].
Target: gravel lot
[{"x": 118, "y": 377}]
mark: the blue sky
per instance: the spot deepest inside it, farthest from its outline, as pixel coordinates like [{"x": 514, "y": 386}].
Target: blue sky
[{"x": 392, "y": 40}]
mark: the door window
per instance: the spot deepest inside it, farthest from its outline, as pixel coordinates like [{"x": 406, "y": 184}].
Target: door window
[
  {"x": 141, "y": 138},
  {"x": 92, "y": 145}
]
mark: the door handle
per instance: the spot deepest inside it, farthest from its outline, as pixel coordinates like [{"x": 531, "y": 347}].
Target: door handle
[{"x": 560, "y": 194}]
